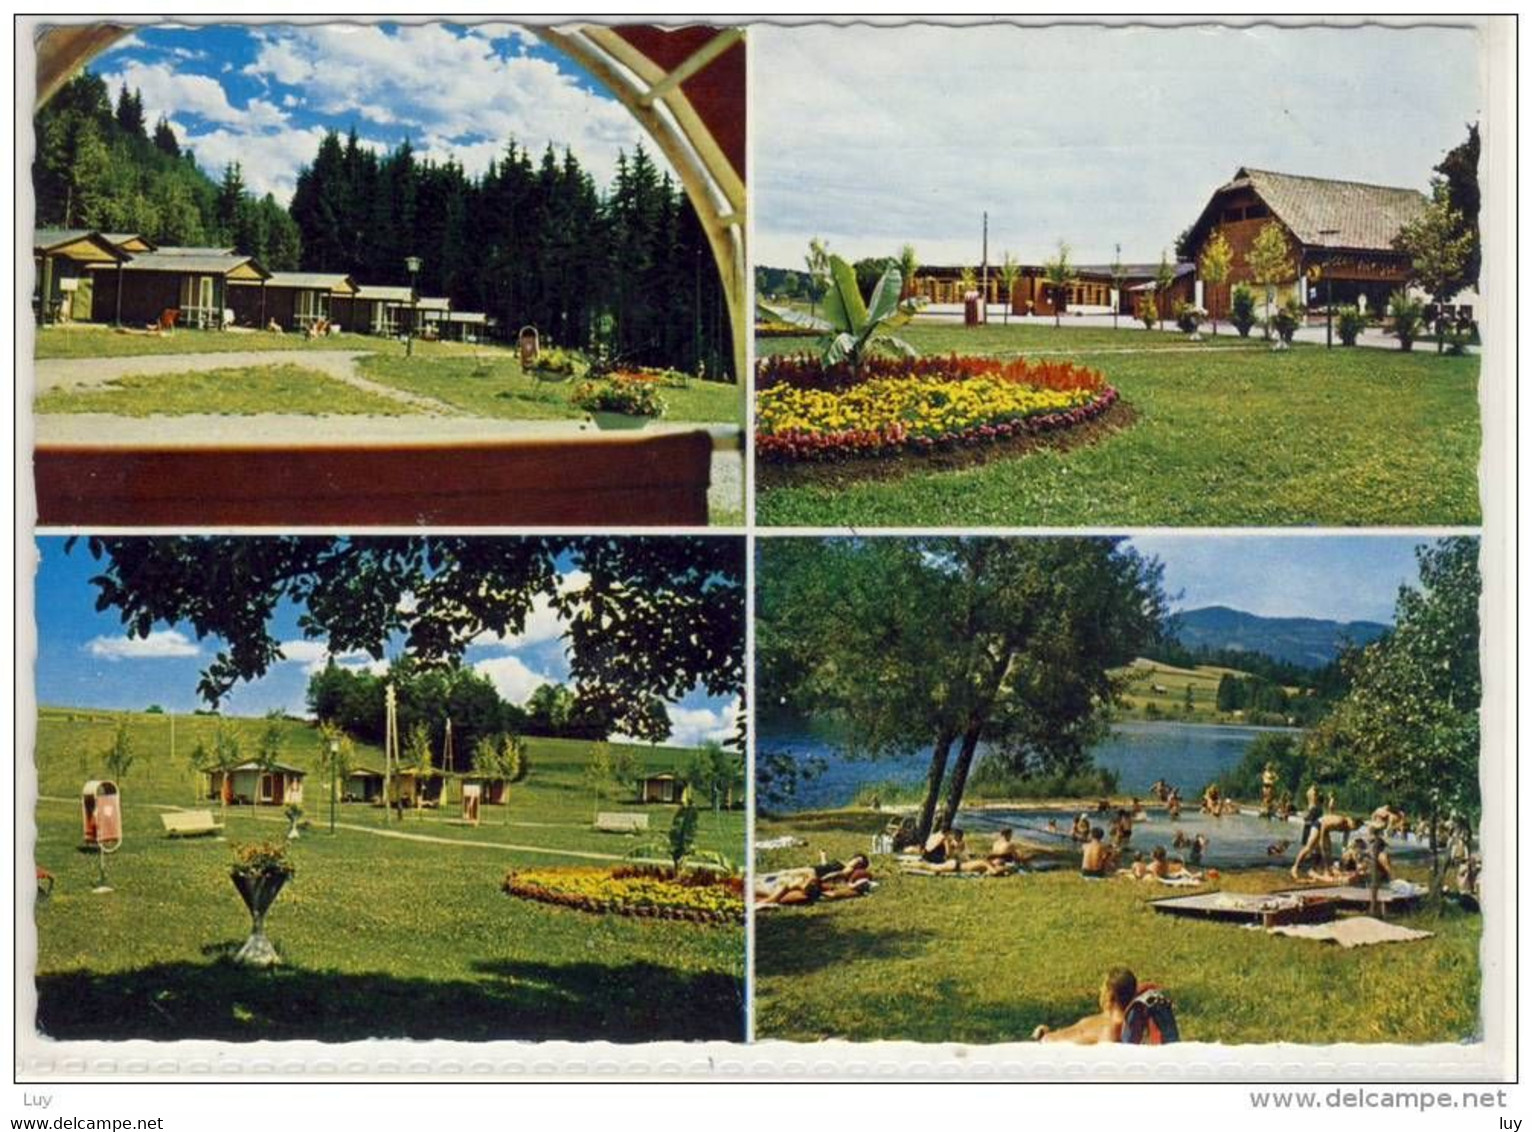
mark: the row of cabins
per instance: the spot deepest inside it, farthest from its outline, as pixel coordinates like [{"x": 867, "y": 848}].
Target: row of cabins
[
  {"x": 125, "y": 279},
  {"x": 278, "y": 784},
  {"x": 1340, "y": 241}
]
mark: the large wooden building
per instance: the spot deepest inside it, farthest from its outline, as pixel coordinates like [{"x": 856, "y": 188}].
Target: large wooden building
[
  {"x": 193, "y": 281},
  {"x": 1344, "y": 229}
]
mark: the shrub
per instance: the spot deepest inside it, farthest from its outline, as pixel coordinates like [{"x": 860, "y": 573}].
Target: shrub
[
  {"x": 1242, "y": 309},
  {"x": 1287, "y": 320},
  {"x": 559, "y": 362},
  {"x": 619, "y": 395},
  {"x": 1349, "y": 323},
  {"x": 1189, "y": 317},
  {"x": 1148, "y": 312},
  {"x": 1408, "y": 315}
]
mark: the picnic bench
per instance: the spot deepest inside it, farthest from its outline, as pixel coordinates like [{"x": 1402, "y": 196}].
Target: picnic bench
[
  {"x": 622, "y": 823},
  {"x": 190, "y": 823}
]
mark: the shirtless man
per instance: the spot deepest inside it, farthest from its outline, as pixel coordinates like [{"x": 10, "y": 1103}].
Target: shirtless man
[
  {"x": 1003, "y": 850},
  {"x": 1081, "y": 829},
  {"x": 1318, "y": 844},
  {"x": 1118, "y": 990},
  {"x": 1173, "y": 805},
  {"x": 1163, "y": 868},
  {"x": 1095, "y": 858}
]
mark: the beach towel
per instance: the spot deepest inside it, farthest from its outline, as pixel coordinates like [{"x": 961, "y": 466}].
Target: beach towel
[
  {"x": 1182, "y": 881},
  {"x": 780, "y": 843},
  {"x": 1358, "y": 931}
]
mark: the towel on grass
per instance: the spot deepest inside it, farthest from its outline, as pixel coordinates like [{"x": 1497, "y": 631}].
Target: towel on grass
[
  {"x": 787, "y": 842},
  {"x": 1358, "y": 931}
]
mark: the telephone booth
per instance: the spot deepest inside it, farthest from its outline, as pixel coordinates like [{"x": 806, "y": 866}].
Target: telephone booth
[
  {"x": 527, "y": 346},
  {"x": 101, "y": 815}
]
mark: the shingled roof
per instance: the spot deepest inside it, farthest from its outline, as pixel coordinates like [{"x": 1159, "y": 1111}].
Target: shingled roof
[{"x": 1358, "y": 216}]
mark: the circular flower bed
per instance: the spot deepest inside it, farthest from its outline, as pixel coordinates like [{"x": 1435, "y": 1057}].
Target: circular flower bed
[
  {"x": 633, "y": 891},
  {"x": 807, "y": 411}
]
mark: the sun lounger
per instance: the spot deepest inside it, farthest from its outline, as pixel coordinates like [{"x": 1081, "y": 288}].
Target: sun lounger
[
  {"x": 622, "y": 823},
  {"x": 190, "y": 823}
]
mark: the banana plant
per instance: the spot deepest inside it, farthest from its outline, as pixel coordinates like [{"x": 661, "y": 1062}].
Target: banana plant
[{"x": 851, "y": 329}]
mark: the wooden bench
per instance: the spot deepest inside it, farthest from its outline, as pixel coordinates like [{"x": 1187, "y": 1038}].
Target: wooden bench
[
  {"x": 622, "y": 823},
  {"x": 190, "y": 823}
]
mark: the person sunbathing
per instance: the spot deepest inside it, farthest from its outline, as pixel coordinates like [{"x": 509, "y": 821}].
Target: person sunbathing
[
  {"x": 1163, "y": 867},
  {"x": 1139, "y": 869},
  {"x": 1118, "y": 989},
  {"x": 1004, "y": 850},
  {"x": 787, "y": 886},
  {"x": 1318, "y": 845}
]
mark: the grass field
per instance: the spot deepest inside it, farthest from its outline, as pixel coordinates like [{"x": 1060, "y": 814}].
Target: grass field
[
  {"x": 938, "y": 959},
  {"x": 89, "y": 340},
  {"x": 1226, "y": 433},
  {"x": 236, "y": 391},
  {"x": 495, "y": 386},
  {"x": 389, "y": 928}
]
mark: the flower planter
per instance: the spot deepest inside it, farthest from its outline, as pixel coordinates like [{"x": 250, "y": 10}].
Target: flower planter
[
  {"x": 258, "y": 890},
  {"x": 606, "y": 420}
]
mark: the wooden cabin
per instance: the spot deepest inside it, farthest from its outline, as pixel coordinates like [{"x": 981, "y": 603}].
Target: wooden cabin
[
  {"x": 375, "y": 310},
  {"x": 64, "y": 258},
  {"x": 255, "y": 784},
  {"x": 294, "y": 300},
  {"x": 460, "y": 326},
  {"x": 194, "y": 282},
  {"x": 664, "y": 788},
  {"x": 1346, "y": 229},
  {"x": 362, "y": 784}
]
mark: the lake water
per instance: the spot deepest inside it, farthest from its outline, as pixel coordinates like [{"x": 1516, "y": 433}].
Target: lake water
[{"x": 1188, "y": 755}]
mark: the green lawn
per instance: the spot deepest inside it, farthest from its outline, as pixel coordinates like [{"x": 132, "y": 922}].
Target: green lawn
[
  {"x": 495, "y": 386},
  {"x": 94, "y": 341},
  {"x": 381, "y": 936},
  {"x": 1225, "y": 434},
  {"x": 937, "y": 959},
  {"x": 234, "y": 391}
]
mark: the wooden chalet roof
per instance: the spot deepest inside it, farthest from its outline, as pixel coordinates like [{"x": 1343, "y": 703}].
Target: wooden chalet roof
[
  {"x": 79, "y": 244},
  {"x": 282, "y": 768},
  {"x": 129, "y": 242},
  {"x": 1357, "y": 216},
  {"x": 193, "y": 249},
  {"x": 373, "y": 293},
  {"x": 333, "y": 282},
  {"x": 230, "y": 265}
]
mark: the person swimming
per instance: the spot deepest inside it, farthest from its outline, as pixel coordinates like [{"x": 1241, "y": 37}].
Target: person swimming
[
  {"x": 1080, "y": 831},
  {"x": 1198, "y": 847}
]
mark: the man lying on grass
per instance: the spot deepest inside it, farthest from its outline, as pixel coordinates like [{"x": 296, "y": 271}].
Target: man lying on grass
[{"x": 1118, "y": 990}]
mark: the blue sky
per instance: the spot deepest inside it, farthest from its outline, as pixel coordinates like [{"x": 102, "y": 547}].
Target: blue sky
[
  {"x": 264, "y": 95},
  {"x": 1333, "y": 577},
  {"x": 85, "y": 659},
  {"x": 873, "y": 137}
]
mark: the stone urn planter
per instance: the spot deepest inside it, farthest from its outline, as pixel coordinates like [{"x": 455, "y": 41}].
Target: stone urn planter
[
  {"x": 606, "y": 420},
  {"x": 619, "y": 402},
  {"x": 259, "y": 874}
]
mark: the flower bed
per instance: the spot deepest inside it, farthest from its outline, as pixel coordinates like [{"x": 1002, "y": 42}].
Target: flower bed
[
  {"x": 635, "y": 396},
  {"x": 633, "y": 891},
  {"x": 806, "y": 411}
]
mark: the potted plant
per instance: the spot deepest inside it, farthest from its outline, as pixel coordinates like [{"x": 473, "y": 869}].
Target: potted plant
[
  {"x": 259, "y": 871},
  {"x": 1188, "y": 318},
  {"x": 1349, "y": 323},
  {"x": 1242, "y": 309},
  {"x": 618, "y": 402},
  {"x": 293, "y": 813},
  {"x": 1408, "y": 315},
  {"x": 1286, "y": 322}
]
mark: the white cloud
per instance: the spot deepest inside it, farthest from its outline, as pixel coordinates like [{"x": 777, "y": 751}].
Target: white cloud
[
  {"x": 314, "y": 655},
  {"x": 691, "y": 727},
  {"x": 161, "y": 644},
  {"x": 441, "y": 83},
  {"x": 512, "y": 678},
  {"x": 542, "y": 624},
  {"x": 169, "y": 91},
  {"x": 269, "y": 162}
]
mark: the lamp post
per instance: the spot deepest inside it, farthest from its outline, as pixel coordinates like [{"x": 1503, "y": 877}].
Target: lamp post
[
  {"x": 334, "y": 773},
  {"x": 1327, "y": 236},
  {"x": 412, "y": 265}
]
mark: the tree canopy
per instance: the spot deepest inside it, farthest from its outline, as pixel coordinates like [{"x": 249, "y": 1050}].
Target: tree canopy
[
  {"x": 954, "y": 642},
  {"x": 656, "y": 617}
]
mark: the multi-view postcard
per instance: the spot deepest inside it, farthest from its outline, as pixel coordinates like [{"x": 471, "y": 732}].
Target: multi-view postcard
[{"x": 1102, "y": 666}]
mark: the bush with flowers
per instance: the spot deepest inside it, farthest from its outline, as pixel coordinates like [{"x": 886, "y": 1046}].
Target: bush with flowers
[
  {"x": 630, "y": 890},
  {"x": 807, "y": 411},
  {"x": 634, "y": 396}
]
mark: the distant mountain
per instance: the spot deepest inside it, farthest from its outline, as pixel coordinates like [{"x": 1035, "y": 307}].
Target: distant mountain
[{"x": 1305, "y": 641}]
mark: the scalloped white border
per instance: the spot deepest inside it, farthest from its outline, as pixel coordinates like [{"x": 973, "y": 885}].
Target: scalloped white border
[{"x": 41, "y": 1060}]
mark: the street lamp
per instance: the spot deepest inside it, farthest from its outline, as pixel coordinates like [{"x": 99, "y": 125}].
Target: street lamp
[
  {"x": 412, "y": 265},
  {"x": 1326, "y": 238}
]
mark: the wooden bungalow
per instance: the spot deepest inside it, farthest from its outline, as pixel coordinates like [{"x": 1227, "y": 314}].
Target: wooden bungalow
[
  {"x": 374, "y": 310},
  {"x": 460, "y": 326},
  {"x": 413, "y": 788},
  {"x": 363, "y": 784},
  {"x": 664, "y": 788},
  {"x": 64, "y": 258},
  {"x": 194, "y": 282},
  {"x": 294, "y": 300},
  {"x": 1346, "y": 229},
  {"x": 428, "y": 312},
  {"x": 255, "y": 784}
]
